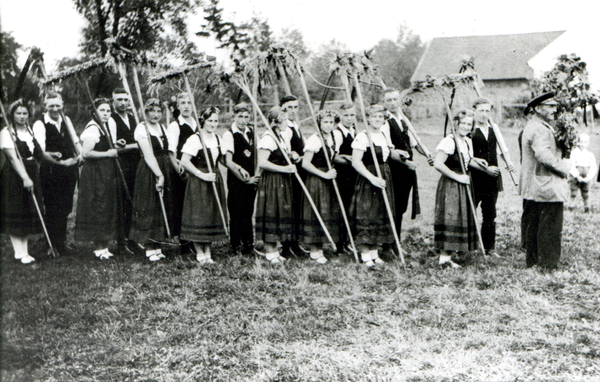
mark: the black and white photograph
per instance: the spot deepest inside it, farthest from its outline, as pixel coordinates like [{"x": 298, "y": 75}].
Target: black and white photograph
[{"x": 253, "y": 190}]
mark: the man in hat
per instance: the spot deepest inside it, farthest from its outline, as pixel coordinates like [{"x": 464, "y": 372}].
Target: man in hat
[{"x": 543, "y": 185}]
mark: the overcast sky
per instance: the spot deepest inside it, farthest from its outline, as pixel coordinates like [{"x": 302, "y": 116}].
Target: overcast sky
[{"x": 54, "y": 25}]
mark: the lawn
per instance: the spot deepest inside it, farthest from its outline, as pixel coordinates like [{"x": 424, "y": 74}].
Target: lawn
[{"x": 75, "y": 318}]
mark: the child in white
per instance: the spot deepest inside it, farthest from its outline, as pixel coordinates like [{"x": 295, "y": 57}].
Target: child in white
[{"x": 583, "y": 171}]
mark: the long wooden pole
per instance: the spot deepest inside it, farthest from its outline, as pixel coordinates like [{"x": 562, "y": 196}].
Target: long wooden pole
[
  {"x": 328, "y": 160},
  {"x": 205, "y": 150},
  {"x": 255, "y": 114},
  {"x": 377, "y": 169},
  {"x": 244, "y": 86},
  {"x": 20, "y": 159},
  {"x": 499, "y": 138},
  {"x": 105, "y": 130},
  {"x": 464, "y": 170},
  {"x": 138, "y": 88},
  {"x": 281, "y": 69}
]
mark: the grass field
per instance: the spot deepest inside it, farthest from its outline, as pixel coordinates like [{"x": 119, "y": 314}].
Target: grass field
[{"x": 78, "y": 319}]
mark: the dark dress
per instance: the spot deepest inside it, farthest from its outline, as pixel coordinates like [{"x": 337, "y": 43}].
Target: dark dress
[
  {"x": 454, "y": 225},
  {"x": 18, "y": 215},
  {"x": 147, "y": 223},
  {"x": 368, "y": 215},
  {"x": 201, "y": 220},
  {"x": 274, "y": 210},
  {"x": 97, "y": 216},
  {"x": 323, "y": 195}
]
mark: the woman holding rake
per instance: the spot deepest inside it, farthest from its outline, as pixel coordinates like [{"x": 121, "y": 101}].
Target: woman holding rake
[
  {"x": 371, "y": 224},
  {"x": 97, "y": 208},
  {"x": 152, "y": 181},
  {"x": 18, "y": 215},
  {"x": 201, "y": 221},
  {"x": 454, "y": 224},
  {"x": 274, "y": 210},
  {"x": 320, "y": 187}
]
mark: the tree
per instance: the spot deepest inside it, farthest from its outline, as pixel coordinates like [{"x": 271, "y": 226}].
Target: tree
[
  {"x": 9, "y": 48},
  {"x": 569, "y": 81},
  {"x": 135, "y": 24},
  {"x": 226, "y": 33},
  {"x": 398, "y": 60}
]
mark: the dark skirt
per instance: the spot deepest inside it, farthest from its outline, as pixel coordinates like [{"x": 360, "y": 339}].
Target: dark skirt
[
  {"x": 18, "y": 215},
  {"x": 179, "y": 185},
  {"x": 368, "y": 216},
  {"x": 323, "y": 195},
  {"x": 454, "y": 225},
  {"x": 147, "y": 222},
  {"x": 274, "y": 209},
  {"x": 97, "y": 201},
  {"x": 201, "y": 219}
]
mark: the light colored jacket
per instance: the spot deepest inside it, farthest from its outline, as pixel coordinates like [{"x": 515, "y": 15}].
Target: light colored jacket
[{"x": 543, "y": 172}]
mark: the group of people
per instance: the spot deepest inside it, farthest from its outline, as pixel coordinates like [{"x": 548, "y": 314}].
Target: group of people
[{"x": 143, "y": 185}]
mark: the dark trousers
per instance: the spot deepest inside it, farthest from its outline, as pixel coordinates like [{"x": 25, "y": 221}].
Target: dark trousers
[
  {"x": 542, "y": 224},
  {"x": 58, "y": 187},
  {"x": 488, "y": 212},
  {"x": 404, "y": 181},
  {"x": 240, "y": 203}
]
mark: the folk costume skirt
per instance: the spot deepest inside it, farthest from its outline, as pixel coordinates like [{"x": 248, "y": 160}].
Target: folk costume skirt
[
  {"x": 274, "y": 208},
  {"x": 322, "y": 193},
  {"x": 18, "y": 216},
  {"x": 201, "y": 219},
  {"x": 454, "y": 225},
  {"x": 147, "y": 222},
  {"x": 368, "y": 215},
  {"x": 97, "y": 201}
]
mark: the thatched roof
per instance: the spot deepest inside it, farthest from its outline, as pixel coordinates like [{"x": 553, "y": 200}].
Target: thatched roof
[{"x": 498, "y": 57}]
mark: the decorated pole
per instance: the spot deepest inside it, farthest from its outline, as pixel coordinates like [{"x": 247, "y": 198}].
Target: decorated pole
[
  {"x": 464, "y": 170},
  {"x": 246, "y": 88},
  {"x": 327, "y": 159},
  {"x": 377, "y": 169},
  {"x": 31, "y": 191}
]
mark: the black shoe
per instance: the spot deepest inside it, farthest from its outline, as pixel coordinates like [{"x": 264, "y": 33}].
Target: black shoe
[
  {"x": 299, "y": 251},
  {"x": 123, "y": 250}
]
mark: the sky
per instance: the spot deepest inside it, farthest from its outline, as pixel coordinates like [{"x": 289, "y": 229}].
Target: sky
[{"x": 54, "y": 25}]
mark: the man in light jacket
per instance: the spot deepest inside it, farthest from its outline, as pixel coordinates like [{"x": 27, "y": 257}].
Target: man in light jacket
[{"x": 543, "y": 185}]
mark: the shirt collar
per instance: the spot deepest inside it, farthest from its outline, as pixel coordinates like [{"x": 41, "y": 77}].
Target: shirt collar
[
  {"x": 236, "y": 129},
  {"x": 47, "y": 119},
  {"x": 345, "y": 131},
  {"x": 183, "y": 121}
]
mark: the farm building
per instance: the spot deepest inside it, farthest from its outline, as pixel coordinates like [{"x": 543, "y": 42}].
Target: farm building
[{"x": 500, "y": 60}]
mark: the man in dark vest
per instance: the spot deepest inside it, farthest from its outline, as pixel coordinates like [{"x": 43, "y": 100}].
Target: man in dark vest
[
  {"x": 487, "y": 183},
  {"x": 122, "y": 124},
  {"x": 58, "y": 171},
  {"x": 289, "y": 105},
  {"x": 238, "y": 146},
  {"x": 404, "y": 173},
  {"x": 345, "y": 133}
]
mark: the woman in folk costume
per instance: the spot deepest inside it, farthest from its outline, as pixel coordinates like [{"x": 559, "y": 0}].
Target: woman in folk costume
[
  {"x": 320, "y": 186},
  {"x": 18, "y": 216},
  {"x": 274, "y": 210},
  {"x": 152, "y": 181},
  {"x": 238, "y": 148},
  {"x": 97, "y": 201},
  {"x": 371, "y": 223},
  {"x": 201, "y": 222},
  {"x": 454, "y": 225}
]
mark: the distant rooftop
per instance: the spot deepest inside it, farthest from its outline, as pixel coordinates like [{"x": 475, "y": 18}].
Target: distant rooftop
[{"x": 497, "y": 57}]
